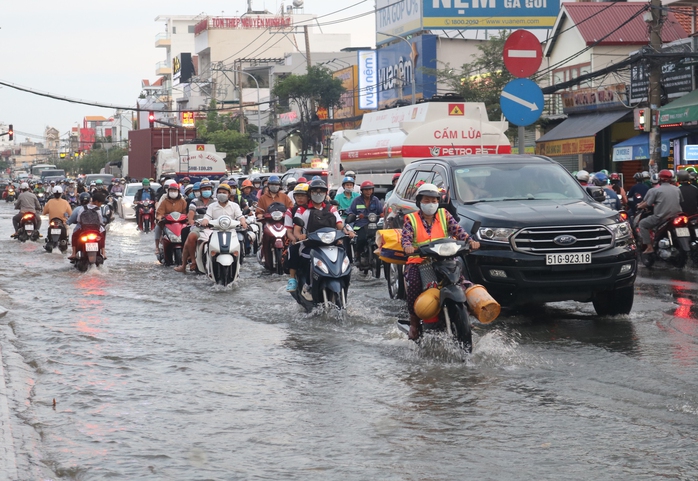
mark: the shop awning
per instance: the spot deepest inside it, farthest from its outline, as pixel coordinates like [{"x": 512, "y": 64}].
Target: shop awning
[
  {"x": 292, "y": 162},
  {"x": 638, "y": 147},
  {"x": 576, "y": 135},
  {"x": 684, "y": 109}
]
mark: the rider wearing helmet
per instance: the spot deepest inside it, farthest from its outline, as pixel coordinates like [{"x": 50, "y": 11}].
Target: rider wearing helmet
[
  {"x": 173, "y": 202},
  {"x": 272, "y": 195},
  {"x": 346, "y": 195},
  {"x": 429, "y": 223},
  {"x": 612, "y": 200},
  {"x": 666, "y": 199},
  {"x": 57, "y": 207},
  {"x": 300, "y": 197},
  {"x": 185, "y": 182},
  {"x": 637, "y": 193},
  {"x": 291, "y": 184},
  {"x": 248, "y": 192},
  {"x": 26, "y": 202},
  {"x": 195, "y": 211},
  {"x": 396, "y": 177},
  {"x": 583, "y": 177},
  {"x": 39, "y": 187},
  {"x": 86, "y": 202},
  {"x": 361, "y": 207},
  {"x": 614, "y": 179},
  {"x": 143, "y": 194},
  {"x": 689, "y": 204}
]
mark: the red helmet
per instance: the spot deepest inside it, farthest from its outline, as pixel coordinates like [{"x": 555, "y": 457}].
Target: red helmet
[
  {"x": 614, "y": 176},
  {"x": 302, "y": 180},
  {"x": 367, "y": 184},
  {"x": 173, "y": 186},
  {"x": 665, "y": 175},
  {"x": 396, "y": 176},
  {"x": 186, "y": 179}
]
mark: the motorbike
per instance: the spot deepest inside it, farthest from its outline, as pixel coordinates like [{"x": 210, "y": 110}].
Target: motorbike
[
  {"x": 42, "y": 198},
  {"x": 114, "y": 200},
  {"x": 27, "y": 228},
  {"x": 671, "y": 240},
  {"x": 368, "y": 260},
  {"x": 693, "y": 226},
  {"x": 254, "y": 235},
  {"x": 218, "y": 254},
  {"x": 273, "y": 229},
  {"x": 107, "y": 214},
  {"x": 11, "y": 196},
  {"x": 72, "y": 200},
  {"x": 146, "y": 215},
  {"x": 57, "y": 235},
  {"x": 171, "y": 240},
  {"x": 325, "y": 279},
  {"x": 443, "y": 267},
  {"x": 88, "y": 250}
]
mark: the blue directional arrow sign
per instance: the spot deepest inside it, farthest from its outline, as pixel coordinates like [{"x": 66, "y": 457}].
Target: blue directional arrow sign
[{"x": 522, "y": 102}]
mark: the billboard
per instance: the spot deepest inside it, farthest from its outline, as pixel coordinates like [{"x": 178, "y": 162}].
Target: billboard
[
  {"x": 400, "y": 63},
  {"x": 350, "y": 98},
  {"x": 400, "y": 18},
  {"x": 474, "y": 14},
  {"x": 368, "y": 80},
  {"x": 677, "y": 74}
]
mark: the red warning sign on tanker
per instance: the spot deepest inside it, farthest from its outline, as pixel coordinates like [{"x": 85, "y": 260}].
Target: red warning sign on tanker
[
  {"x": 456, "y": 109},
  {"x": 200, "y": 147}
]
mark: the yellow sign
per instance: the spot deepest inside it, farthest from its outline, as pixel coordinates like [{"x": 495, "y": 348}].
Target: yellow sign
[
  {"x": 187, "y": 119},
  {"x": 557, "y": 148},
  {"x": 200, "y": 147}
]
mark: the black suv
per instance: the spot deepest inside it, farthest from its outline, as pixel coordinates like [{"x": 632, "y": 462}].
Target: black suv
[{"x": 543, "y": 238}]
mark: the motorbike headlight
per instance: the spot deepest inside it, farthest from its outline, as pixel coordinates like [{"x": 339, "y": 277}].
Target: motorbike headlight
[
  {"x": 495, "y": 234},
  {"x": 320, "y": 265},
  {"x": 345, "y": 264},
  {"x": 328, "y": 237},
  {"x": 372, "y": 218},
  {"x": 175, "y": 239},
  {"x": 224, "y": 222},
  {"x": 447, "y": 249},
  {"x": 277, "y": 215},
  {"x": 621, "y": 230}
]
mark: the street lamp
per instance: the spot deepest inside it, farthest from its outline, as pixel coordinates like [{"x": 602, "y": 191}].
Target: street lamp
[{"x": 414, "y": 91}]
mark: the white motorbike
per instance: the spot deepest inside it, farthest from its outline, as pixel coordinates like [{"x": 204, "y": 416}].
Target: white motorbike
[
  {"x": 254, "y": 234},
  {"x": 218, "y": 251}
]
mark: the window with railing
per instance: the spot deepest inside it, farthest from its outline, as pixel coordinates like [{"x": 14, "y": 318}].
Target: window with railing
[{"x": 571, "y": 72}]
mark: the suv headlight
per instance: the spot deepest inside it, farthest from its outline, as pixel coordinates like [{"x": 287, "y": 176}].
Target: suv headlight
[
  {"x": 621, "y": 230},
  {"x": 495, "y": 234}
]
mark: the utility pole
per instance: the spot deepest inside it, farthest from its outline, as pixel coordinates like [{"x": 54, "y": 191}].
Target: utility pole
[
  {"x": 313, "y": 109},
  {"x": 242, "y": 112},
  {"x": 655, "y": 84}
]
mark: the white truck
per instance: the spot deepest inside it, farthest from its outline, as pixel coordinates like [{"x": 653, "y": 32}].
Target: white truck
[
  {"x": 388, "y": 140},
  {"x": 195, "y": 161}
]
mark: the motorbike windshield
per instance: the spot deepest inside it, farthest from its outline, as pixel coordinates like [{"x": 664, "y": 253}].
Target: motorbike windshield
[{"x": 515, "y": 182}]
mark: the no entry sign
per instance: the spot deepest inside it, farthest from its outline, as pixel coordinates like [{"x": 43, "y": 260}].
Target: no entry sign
[{"x": 522, "y": 54}]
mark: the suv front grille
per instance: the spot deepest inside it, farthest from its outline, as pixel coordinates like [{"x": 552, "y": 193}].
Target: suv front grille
[{"x": 541, "y": 240}]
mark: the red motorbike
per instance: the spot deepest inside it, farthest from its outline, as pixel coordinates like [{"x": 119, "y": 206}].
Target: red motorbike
[
  {"x": 273, "y": 238},
  {"x": 171, "y": 239},
  {"x": 146, "y": 215}
]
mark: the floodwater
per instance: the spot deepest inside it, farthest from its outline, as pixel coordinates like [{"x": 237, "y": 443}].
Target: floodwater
[{"x": 161, "y": 376}]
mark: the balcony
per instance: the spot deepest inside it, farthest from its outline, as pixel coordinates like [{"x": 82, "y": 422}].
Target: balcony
[
  {"x": 161, "y": 68},
  {"x": 163, "y": 39}
]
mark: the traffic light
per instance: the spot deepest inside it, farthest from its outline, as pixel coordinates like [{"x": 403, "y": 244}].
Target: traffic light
[
  {"x": 11, "y": 133},
  {"x": 644, "y": 119},
  {"x": 151, "y": 119}
]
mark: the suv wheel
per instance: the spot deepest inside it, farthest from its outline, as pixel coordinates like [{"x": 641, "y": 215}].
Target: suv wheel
[
  {"x": 396, "y": 281},
  {"x": 613, "y": 303}
]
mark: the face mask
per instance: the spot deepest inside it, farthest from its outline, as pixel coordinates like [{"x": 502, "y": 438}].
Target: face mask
[
  {"x": 318, "y": 197},
  {"x": 206, "y": 194},
  {"x": 429, "y": 209},
  {"x": 191, "y": 195},
  {"x": 197, "y": 194},
  {"x": 222, "y": 198},
  {"x": 274, "y": 188},
  {"x": 172, "y": 195}
]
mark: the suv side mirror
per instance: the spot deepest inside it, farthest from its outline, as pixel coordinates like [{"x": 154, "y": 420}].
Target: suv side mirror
[{"x": 596, "y": 193}]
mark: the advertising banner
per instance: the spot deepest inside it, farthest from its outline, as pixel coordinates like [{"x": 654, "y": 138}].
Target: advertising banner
[
  {"x": 368, "y": 79},
  {"x": 469, "y": 14},
  {"x": 399, "y": 63},
  {"x": 349, "y": 98},
  {"x": 401, "y": 17},
  {"x": 556, "y": 148}
]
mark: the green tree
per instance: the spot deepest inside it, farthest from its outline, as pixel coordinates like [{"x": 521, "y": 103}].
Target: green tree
[
  {"x": 317, "y": 88},
  {"x": 223, "y": 131},
  {"x": 482, "y": 79}
]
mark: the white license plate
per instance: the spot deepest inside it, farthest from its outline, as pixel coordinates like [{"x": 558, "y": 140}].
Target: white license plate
[
  {"x": 55, "y": 231},
  {"x": 29, "y": 227},
  {"x": 682, "y": 232},
  {"x": 91, "y": 247},
  {"x": 373, "y": 226},
  {"x": 565, "y": 259}
]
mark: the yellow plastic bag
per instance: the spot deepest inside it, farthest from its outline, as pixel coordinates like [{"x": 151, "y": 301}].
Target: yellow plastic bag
[{"x": 389, "y": 241}]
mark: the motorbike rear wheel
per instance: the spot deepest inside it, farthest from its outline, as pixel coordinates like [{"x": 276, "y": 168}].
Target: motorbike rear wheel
[
  {"x": 277, "y": 259},
  {"x": 648, "y": 259},
  {"x": 680, "y": 260},
  {"x": 82, "y": 264},
  {"x": 460, "y": 324}
]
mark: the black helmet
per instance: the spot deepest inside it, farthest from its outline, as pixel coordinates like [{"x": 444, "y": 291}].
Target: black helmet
[
  {"x": 683, "y": 176},
  {"x": 318, "y": 184},
  {"x": 84, "y": 198}
]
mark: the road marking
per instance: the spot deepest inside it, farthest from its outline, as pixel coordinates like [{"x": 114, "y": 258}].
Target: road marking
[
  {"x": 522, "y": 53},
  {"x": 520, "y": 101}
]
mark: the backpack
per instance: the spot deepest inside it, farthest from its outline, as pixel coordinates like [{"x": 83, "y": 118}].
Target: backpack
[
  {"x": 319, "y": 218},
  {"x": 89, "y": 218}
]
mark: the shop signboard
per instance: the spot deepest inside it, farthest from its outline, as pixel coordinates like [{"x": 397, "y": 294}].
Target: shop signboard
[
  {"x": 677, "y": 74},
  {"x": 557, "y": 148},
  {"x": 399, "y": 18},
  {"x": 491, "y": 14},
  {"x": 398, "y": 63},
  {"x": 690, "y": 153},
  {"x": 609, "y": 97},
  {"x": 368, "y": 79}
]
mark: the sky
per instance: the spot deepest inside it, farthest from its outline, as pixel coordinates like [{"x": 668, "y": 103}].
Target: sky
[{"x": 100, "y": 52}]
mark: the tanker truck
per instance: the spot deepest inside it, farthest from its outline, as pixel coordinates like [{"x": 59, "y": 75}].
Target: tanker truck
[
  {"x": 195, "y": 161},
  {"x": 388, "y": 140}
]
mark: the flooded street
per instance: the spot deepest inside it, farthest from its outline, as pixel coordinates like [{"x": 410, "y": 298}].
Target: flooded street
[{"x": 161, "y": 376}]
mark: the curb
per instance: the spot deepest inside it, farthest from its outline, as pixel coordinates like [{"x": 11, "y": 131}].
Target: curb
[{"x": 8, "y": 461}]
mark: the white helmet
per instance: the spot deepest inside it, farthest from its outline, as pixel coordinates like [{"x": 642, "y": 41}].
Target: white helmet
[
  {"x": 23, "y": 185},
  {"x": 429, "y": 190},
  {"x": 169, "y": 182},
  {"x": 58, "y": 189},
  {"x": 583, "y": 176}
]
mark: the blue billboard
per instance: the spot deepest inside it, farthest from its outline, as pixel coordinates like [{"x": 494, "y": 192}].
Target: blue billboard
[
  {"x": 496, "y": 14},
  {"x": 400, "y": 63}
]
